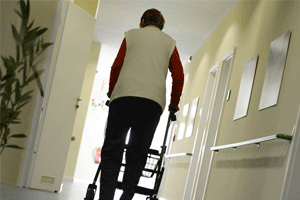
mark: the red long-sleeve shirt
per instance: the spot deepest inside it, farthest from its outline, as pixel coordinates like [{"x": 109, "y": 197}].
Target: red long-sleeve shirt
[{"x": 175, "y": 68}]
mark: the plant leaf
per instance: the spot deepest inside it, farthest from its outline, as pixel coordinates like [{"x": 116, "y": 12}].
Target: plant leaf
[
  {"x": 24, "y": 71},
  {"x": 14, "y": 121},
  {"x": 12, "y": 62},
  {"x": 24, "y": 49},
  {"x": 14, "y": 115},
  {"x": 8, "y": 84},
  {"x": 42, "y": 31},
  {"x": 33, "y": 76},
  {"x": 34, "y": 34},
  {"x": 30, "y": 25},
  {"x": 5, "y": 62},
  {"x": 23, "y": 30},
  {"x": 16, "y": 34},
  {"x": 24, "y": 11},
  {"x": 37, "y": 78},
  {"x": 18, "y": 13},
  {"x": 46, "y": 45},
  {"x": 4, "y": 116},
  {"x": 39, "y": 83},
  {"x": 29, "y": 40},
  {"x": 21, "y": 135},
  {"x": 23, "y": 104},
  {"x": 18, "y": 54},
  {"x": 28, "y": 8},
  {"x": 23, "y": 7},
  {"x": 4, "y": 138},
  {"x": 6, "y": 77},
  {"x": 13, "y": 146},
  {"x": 18, "y": 90},
  {"x": 34, "y": 30},
  {"x": 38, "y": 46},
  {"x": 31, "y": 55},
  {"x": 25, "y": 97}
]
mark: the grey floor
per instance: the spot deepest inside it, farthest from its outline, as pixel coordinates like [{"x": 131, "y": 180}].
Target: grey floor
[{"x": 75, "y": 190}]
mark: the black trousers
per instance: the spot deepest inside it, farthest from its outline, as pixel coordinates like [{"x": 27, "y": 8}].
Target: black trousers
[{"x": 142, "y": 116}]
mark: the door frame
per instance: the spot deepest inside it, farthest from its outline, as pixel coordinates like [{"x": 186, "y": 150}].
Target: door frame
[
  {"x": 195, "y": 160},
  {"x": 209, "y": 137},
  {"x": 41, "y": 102},
  {"x": 290, "y": 185}
]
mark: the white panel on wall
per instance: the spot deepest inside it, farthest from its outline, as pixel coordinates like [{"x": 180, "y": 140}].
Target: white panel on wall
[
  {"x": 183, "y": 121},
  {"x": 246, "y": 84},
  {"x": 192, "y": 116},
  {"x": 274, "y": 73}
]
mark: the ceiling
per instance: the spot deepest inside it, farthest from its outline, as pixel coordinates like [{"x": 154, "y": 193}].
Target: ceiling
[{"x": 188, "y": 22}]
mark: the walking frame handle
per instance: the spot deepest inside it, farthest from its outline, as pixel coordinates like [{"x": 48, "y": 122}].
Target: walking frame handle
[{"x": 172, "y": 117}]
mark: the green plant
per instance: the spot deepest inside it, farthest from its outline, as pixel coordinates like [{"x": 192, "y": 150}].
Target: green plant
[{"x": 17, "y": 72}]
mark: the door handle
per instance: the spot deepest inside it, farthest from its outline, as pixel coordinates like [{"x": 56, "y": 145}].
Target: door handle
[{"x": 77, "y": 103}]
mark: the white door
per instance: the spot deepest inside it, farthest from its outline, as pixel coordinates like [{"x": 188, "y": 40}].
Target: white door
[
  {"x": 195, "y": 161},
  {"x": 57, "y": 120},
  {"x": 212, "y": 131}
]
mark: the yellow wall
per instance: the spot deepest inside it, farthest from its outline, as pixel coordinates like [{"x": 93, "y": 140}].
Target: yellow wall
[
  {"x": 82, "y": 111},
  {"x": 42, "y": 12},
  {"x": 90, "y": 6},
  {"x": 249, "y": 173}
]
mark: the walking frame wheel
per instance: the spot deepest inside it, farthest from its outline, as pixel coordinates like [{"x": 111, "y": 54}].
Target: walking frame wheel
[{"x": 90, "y": 194}]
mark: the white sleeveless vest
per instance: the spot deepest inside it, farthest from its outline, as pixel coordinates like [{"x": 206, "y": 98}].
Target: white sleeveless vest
[{"x": 145, "y": 67}]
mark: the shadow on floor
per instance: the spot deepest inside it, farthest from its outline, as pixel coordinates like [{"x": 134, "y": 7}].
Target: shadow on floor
[{"x": 75, "y": 190}]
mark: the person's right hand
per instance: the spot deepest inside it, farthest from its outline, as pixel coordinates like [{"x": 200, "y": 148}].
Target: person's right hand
[{"x": 173, "y": 109}]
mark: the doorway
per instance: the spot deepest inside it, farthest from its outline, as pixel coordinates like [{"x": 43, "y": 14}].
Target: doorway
[
  {"x": 92, "y": 136},
  {"x": 210, "y": 136},
  {"x": 210, "y": 88},
  {"x": 94, "y": 128}
]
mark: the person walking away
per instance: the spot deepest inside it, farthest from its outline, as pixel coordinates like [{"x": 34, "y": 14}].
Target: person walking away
[{"x": 137, "y": 92}]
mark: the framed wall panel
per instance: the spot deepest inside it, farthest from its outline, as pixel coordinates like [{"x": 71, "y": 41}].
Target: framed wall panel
[
  {"x": 246, "y": 84},
  {"x": 183, "y": 122},
  {"x": 274, "y": 72},
  {"x": 192, "y": 116}
]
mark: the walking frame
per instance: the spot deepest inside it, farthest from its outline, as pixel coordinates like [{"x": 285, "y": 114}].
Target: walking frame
[{"x": 154, "y": 166}]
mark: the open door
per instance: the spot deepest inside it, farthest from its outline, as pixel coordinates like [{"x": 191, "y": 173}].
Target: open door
[{"x": 59, "y": 110}]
